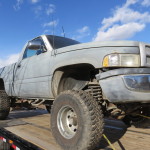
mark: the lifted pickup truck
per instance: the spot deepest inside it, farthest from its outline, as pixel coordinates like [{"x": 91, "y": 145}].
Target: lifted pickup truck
[{"x": 86, "y": 82}]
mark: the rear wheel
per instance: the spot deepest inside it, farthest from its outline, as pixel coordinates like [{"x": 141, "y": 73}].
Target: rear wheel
[
  {"x": 76, "y": 121},
  {"x": 4, "y": 105}
]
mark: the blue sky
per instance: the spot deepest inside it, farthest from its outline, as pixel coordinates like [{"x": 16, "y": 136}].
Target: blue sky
[{"x": 83, "y": 20}]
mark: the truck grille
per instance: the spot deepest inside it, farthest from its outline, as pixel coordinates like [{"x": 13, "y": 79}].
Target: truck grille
[
  {"x": 145, "y": 55},
  {"x": 147, "y": 49},
  {"x": 148, "y": 60}
]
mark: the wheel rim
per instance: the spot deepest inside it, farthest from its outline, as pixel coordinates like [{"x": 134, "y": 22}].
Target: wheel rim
[{"x": 67, "y": 122}]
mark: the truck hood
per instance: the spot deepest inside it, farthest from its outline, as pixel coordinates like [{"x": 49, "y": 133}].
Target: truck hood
[{"x": 98, "y": 44}]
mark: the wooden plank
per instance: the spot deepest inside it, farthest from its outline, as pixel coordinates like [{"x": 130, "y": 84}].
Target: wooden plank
[{"x": 34, "y": 126}]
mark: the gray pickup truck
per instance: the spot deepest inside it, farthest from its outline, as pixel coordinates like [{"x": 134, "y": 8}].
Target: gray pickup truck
[{"x": 84, "y": 82}]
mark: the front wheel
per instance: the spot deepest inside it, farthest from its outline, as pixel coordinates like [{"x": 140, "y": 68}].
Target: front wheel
[
  {"x": 4, "y": 105},
  {"x": 76, "y": 121}
]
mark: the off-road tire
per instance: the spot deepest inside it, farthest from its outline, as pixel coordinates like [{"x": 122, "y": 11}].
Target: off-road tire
[
  {"x": 4, "y": 105},
  {"x": 89, "y": 118}
]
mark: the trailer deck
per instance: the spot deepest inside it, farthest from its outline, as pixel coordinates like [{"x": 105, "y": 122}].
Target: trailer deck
[{"x": 33, "y": 126}]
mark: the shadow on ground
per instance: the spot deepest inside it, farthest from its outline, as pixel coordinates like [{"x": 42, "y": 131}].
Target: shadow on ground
[{"x": 113, "y": 130}]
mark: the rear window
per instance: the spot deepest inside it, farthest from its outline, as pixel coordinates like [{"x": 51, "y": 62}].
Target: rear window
[{"x": 59, "y": 42}]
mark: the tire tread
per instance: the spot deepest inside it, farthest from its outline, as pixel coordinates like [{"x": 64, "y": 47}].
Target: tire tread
[
  {"x": 91, "y": 107},
  {"x": 4, "y": 105}
]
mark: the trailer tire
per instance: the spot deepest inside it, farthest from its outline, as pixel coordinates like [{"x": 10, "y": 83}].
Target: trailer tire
[
  {"x": 76, "y": 121},
  {"x": 4, "y": 105}
]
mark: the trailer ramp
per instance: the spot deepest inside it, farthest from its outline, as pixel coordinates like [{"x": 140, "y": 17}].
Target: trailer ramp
[{"x": 32, "y": 128}]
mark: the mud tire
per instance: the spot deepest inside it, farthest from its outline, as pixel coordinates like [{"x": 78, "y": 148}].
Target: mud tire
[
  {"x": 4, "y": 105},
  {"x": 89, "y": 118}
]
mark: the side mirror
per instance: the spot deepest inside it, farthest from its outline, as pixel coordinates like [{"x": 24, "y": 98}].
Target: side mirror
[{"x": 34, "y": 45}]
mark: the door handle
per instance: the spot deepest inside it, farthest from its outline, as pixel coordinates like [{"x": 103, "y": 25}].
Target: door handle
[{"x": 19, "y": 66}]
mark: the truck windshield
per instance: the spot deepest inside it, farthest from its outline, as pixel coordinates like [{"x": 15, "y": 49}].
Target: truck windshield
[{"x": 59, "y": 42}]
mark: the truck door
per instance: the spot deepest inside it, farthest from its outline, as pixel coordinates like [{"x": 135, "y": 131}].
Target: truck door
[{"x": 32, "y": 77}]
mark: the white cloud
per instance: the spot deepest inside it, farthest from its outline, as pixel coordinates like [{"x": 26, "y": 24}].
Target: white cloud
[
  {"x": 146, "y": 3},
  {"x": 38, "y": 10},
  {"x": 46, "y": 31},
  {"x": 51, "y": 24},
  {"x": 41, "y": 9},
  {"x": 130, "y": 2},
  {"x": 83, "y": 30},
  {"x": 50, "y": 9},
  {"x": 81, "y": 33},
  {"x": 18, "y": 4},
  {"x": 123, "y": 19},
  {"x": 118, "y": 32},
  {"x": 34, "y": 1},
  {"x": 9, "y": 60}
]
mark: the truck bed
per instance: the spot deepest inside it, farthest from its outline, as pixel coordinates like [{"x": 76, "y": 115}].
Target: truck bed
[{"x": 34, "y": 127}]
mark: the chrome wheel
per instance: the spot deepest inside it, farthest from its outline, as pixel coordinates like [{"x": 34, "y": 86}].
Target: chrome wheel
[{"x": 67, "y": 122}]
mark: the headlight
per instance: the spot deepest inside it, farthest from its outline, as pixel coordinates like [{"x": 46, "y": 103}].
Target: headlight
[{"x": 121, "y": 60}]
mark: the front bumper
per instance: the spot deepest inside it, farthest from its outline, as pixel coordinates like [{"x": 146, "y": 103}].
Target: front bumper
[{"x": 126, "y": 85}]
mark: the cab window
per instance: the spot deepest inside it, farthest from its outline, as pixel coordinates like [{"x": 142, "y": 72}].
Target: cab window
[{"x": 29, "y": 52}]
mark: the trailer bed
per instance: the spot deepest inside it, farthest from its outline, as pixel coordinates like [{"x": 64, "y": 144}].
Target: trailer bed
[{"x": 33, "y": 126}]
